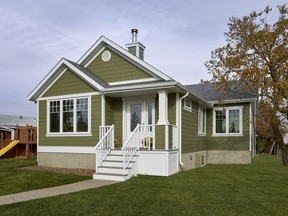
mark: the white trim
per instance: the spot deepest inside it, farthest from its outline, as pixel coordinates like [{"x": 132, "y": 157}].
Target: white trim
[
  {"x": 52, "y": 83},
  {"x": 234, "y": 101},
  {"x": 134, "y": 81},
  {"x": 200, "y": 133},
  {"x": 62, "y": 62},
  {"x": 240, "y": 108},
  {"x": 177, "y": 120},
  {"x": 103, "y": 40},
  {"x": 66, "y": 149},
  {"x": 97, "y": 54},
  {"x": 185, "y": 107},
  {"x": 69, "y": 96},
  {"x": 74, "y": 133},
  {"x": 81, "y": 74},
  {"x": 103, "y": 110},
  {"x": 163, "y": 107},
  {"x": 38, "y": 135},
  {"x": 146, "y": 86},
  {"x": 45, "y": 79},
  {"x": 106, "y": 56}
]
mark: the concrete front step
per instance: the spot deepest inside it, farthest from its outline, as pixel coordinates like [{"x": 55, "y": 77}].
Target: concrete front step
[
  {"x": 112, "y": 170},
  {"x": 112, "y": 177}
]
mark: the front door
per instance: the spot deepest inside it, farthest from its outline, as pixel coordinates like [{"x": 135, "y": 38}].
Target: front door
[{"x": 139, "y": 112}]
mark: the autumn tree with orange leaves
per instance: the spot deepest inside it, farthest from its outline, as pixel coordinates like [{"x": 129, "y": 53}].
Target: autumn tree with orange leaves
[{"x": 256, "y": 56}]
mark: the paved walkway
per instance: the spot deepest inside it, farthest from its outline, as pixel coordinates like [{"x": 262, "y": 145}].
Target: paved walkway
[{"x": 53, "y": 191}]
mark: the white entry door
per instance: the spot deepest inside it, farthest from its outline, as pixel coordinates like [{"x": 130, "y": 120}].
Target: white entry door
[{"x": 139, "y": 112}]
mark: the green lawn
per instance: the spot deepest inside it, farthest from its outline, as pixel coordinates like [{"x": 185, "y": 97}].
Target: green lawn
[
  {"x": 257, "y": 189},
  {"x": 13, "y": 180}
]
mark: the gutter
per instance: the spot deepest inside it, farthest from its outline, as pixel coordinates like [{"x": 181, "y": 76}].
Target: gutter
[{"x": 180, "y": 128}]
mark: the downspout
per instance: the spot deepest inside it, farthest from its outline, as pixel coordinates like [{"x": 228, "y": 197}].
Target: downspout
[{"x": 180, "y": 129}]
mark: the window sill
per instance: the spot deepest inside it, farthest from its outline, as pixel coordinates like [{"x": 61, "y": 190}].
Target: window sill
[
  {"x": 68, "y": 134},
  {"x": 187, "y": 109},
  {"x": 227, "y": 135}
]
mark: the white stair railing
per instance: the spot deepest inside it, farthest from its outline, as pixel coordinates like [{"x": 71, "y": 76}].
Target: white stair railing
[
  {"x": 130, "y": 147},
  {"x": 142, "y": 136},
  {"x": 105, "y": 145}
]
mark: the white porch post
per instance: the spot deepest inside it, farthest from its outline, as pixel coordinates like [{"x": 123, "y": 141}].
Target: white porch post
[
  {"x": 163, "y": 108},
  {"x": 102, "y": 110},
  {"x": 163, "y": 114}
]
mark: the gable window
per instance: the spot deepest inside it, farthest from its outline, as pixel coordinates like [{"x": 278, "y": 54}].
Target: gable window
[
  {"x": 188, "y": 104},
  {"x": 227, "y": 121},
  {"x": 201, "y": 121},
  {"x": 68, "y": 116}
]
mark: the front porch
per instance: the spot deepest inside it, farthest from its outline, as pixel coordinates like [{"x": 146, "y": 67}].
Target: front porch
[{"x": 149, "y": 150}]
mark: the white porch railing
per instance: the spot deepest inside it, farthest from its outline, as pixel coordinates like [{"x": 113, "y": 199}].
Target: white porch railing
[
  {"x": 105, "y": 145},
  {"x": 142, "y": 136}
]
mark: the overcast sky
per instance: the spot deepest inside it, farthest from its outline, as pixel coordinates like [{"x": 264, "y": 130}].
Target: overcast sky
[{"x": 179, "y": 36}]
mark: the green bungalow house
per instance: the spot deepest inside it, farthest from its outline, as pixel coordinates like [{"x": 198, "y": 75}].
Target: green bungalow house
[{"x": 113, "y": 112}]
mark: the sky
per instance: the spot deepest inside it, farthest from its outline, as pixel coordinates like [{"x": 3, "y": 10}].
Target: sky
[{"x": 179, "y": 36}]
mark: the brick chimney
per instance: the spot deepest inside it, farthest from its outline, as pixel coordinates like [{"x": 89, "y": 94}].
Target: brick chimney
[{"x": 136, "y": 48}]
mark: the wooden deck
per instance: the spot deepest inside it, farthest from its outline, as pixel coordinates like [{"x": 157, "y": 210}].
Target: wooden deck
[{"x": 27, "y": 147}]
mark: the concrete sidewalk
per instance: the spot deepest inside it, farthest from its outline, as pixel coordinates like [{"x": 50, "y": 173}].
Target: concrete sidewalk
[{"x": 53, "y": 191}]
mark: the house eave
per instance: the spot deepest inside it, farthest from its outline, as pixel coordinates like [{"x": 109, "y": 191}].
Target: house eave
[
  {"x": 232, "y": 101},
  {"x": 54, "y": 73},
  {"x": 103, "y": 41}
]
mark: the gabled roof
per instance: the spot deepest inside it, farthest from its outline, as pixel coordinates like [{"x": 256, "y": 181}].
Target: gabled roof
[
  {"x": 209, "y": 93},
  {"x": 92, "y": 79},
  {"x": 63, "y": 64},
  {"x": 105, "y": 42}
]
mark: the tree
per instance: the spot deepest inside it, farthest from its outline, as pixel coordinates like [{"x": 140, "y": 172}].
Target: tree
[{"x": 256, "y": 56}]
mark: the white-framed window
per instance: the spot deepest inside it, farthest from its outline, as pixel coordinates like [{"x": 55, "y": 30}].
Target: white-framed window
[
  {"x": 228, "y": 121},
  {"x": 201, "y": 121},
  {"x": 69, "y": 116},
  {"x": 188, "y": 104}
]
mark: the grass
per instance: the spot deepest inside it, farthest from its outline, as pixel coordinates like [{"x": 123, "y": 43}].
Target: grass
[
  {"x": 256, "y": 189},
  {"x": 13, "y": 180}
]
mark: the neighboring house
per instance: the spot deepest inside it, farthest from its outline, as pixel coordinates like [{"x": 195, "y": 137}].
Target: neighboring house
[
  {"x": 113, "y": 98},
  {"x": 21, "y": 128}
]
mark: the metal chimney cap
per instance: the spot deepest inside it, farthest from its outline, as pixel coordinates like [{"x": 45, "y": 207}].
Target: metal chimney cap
[{"x": 134, "y": 30}]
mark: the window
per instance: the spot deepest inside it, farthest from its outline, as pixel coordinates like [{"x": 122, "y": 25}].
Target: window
[
  {"x": 227, "y": 121},
  {"x": 68, "y": 116},
  {"x": 201, "y": 121},
  {"x": 187, "y": 105}
]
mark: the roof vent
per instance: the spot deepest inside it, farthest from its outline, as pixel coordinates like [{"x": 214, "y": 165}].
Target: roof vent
[{"x": 135, "y": 47}]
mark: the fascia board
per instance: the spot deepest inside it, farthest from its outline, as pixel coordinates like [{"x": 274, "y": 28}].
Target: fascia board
[
  {"x": 83, "y": 75},
  {"x": 44, "y": 82},
  {"x": 138, "y": 87},
  {"x": 231, "y": 101},
  {"x": 124, "y": 53},
  {"x": 56, "y": 70}
]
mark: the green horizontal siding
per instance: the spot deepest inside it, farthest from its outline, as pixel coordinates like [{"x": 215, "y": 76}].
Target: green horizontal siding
[
  {"x": 172, "y": 108},
  {"x": 191, "y": 141},
  {"x": 231, "y": 143},
  {"x": 68, "y": 83},
  {"x": 160, "y": 137},
  {"x": 71, "y": 140},
  {"x": 116, "y": 69}
]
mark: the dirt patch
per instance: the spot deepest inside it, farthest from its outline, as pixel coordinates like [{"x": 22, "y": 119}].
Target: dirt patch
[{"x": 82, "y": 172}]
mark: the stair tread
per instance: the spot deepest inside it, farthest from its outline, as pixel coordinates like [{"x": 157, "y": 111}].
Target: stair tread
[
  {"x": 112, "y": 174},
  {"x": 117, "y": 161},
  {"x": 113, "y": 167}
]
